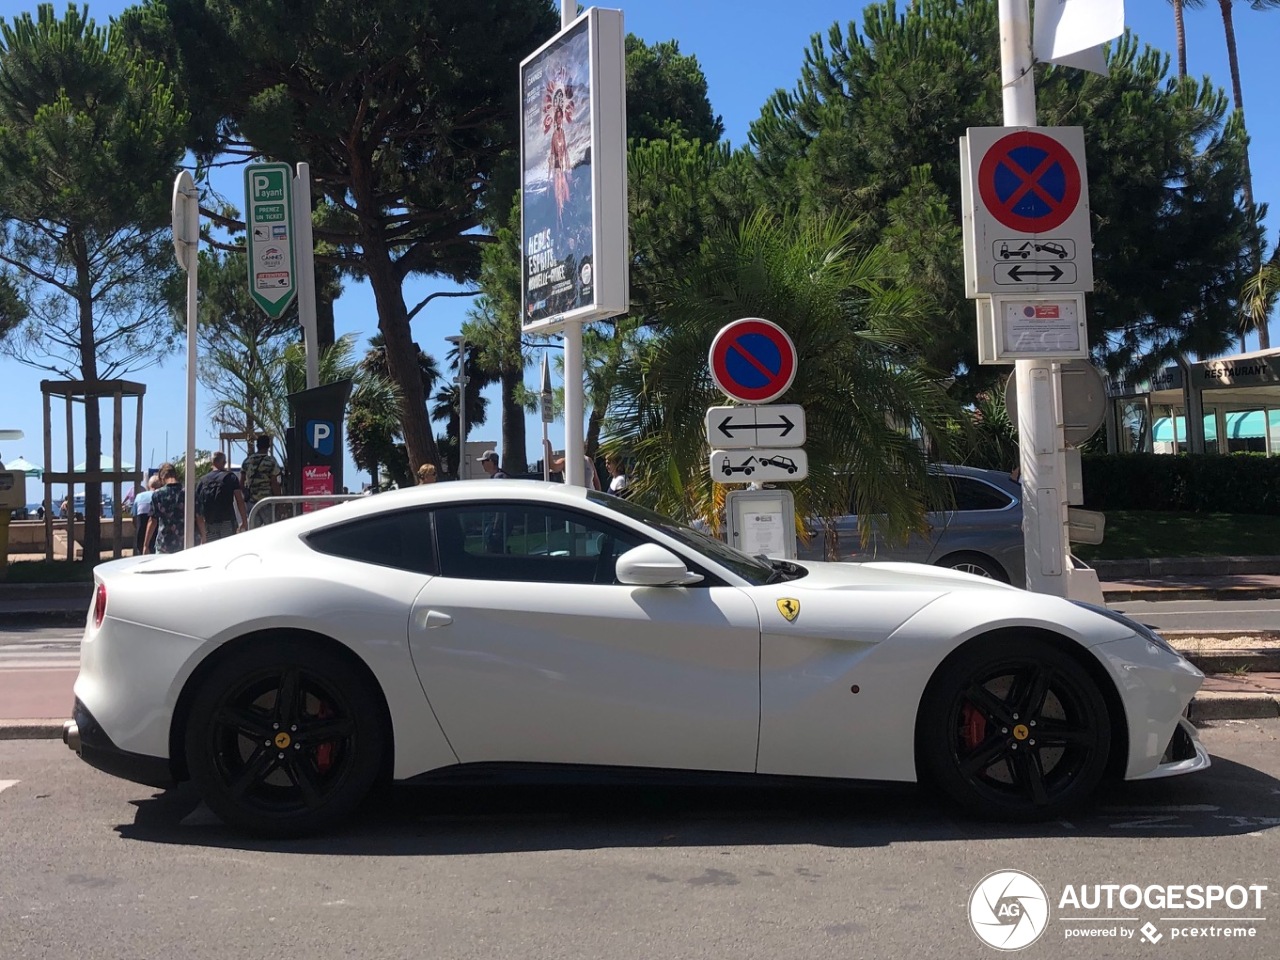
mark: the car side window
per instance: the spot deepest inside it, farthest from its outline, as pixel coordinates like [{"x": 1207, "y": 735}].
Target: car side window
[
  {"x": 973, "y": 494},
  {"x": 400, "y": 539},
  {"x": 528, "y": 542}
]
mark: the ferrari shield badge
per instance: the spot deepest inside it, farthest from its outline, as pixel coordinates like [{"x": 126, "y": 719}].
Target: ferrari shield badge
[{"x": 789, "y": 608}]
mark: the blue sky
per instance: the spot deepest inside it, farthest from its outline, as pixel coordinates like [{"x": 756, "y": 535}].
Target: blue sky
[{"x": 747, "y": 51}]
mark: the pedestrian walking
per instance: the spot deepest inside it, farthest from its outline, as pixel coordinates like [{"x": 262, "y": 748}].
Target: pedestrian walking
[
  {"x": 591, "y": 476},
  {"x": 166, "y": 532},
  {"x": 218, "y": 498},
  {"x": 142, "y": 514},
  {"x": 489, "y": 462},
  {"x": 260, "y": 476},
  {"x": 427, "y": 473},
  {"x": 618, "y": 482}
]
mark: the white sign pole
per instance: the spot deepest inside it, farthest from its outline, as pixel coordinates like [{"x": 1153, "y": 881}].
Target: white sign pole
[
  {"x": 545, "y": 397},
  {"x": 574, "y": 401},
  {"x": 304, "y": 256},
  {"x": 186, "y": 242},
  {"x": 1041, "y": 459}
]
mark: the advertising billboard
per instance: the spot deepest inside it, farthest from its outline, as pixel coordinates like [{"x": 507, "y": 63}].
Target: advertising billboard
[{"x": 573, "y": 186}]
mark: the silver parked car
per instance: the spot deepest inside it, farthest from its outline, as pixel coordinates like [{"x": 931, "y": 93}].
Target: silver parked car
[{"x": 982, "y": 535}]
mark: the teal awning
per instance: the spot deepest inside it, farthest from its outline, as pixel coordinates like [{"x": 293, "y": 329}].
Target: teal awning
[{"x": 1241, "y": 425}]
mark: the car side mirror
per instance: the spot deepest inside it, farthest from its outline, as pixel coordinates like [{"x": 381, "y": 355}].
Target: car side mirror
[{"x": 650, "y": 565}]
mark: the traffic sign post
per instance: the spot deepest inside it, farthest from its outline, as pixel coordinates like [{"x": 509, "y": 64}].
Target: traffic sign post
[
  {"x": 752, "y": 360},
  {"x": 268, "y": 192},
  {"x": 1026, "y": 211},
  {"x": 741, "y": 428}
]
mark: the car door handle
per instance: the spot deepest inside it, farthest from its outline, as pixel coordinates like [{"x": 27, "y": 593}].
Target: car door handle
[{"x": 434, "y": 618}]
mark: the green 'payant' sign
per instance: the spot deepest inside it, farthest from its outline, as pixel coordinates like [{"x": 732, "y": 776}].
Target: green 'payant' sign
[{"x": 268, "y": 201}]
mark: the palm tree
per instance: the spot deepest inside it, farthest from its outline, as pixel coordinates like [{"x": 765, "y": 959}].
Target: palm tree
[
  {"x": 854, "y": 333},
  {"x": 373, "y": 421},
  {"x": 1180, "y": 29}
]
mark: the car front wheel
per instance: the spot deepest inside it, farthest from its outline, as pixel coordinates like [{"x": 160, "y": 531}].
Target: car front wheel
[
  {"x": 1013, "y": 729},
  {"x": 284, "y": 739}
]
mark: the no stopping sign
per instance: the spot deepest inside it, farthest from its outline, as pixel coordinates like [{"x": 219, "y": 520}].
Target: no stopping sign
[{"x": 752, "y": 360}]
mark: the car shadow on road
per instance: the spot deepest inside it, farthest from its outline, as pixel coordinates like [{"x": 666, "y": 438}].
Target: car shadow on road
[{"x": 523, "y": 811}]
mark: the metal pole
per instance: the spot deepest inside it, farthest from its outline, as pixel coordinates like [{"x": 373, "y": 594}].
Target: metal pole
[
  {"x": 305, "y": 256},
  {"x": 573, "y": 365},
  {"x": 464, "y": 468},
  {"x": 1042, "y": 459},
  {"x": 459, "y": 341},
  {"x": 189, "y": 479}
]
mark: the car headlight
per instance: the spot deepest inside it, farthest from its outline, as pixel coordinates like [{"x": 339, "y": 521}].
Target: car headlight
[{"x": 1141, "y": 629}]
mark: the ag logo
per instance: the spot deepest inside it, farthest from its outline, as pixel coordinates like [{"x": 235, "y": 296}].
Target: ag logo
[
  {"x": 1008, "y": 910},
  {"x": 789, "y": 608}
]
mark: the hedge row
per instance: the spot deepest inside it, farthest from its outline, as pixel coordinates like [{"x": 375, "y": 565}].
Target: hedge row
[{"x": 1200, "y": 483}]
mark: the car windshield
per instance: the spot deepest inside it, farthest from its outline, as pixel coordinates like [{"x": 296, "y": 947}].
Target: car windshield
[{"x": 755, "y": 570}]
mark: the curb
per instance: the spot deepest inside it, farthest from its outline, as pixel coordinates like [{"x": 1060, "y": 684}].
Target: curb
[
  {"x": 1184, "y": 566},
  {"x": 29, "y": 618},
  {"x": 31, "y": 729},
  {"x": 1118, "y": 594},
  {"x": 1234, "y": 661},
  {"x": 1231, "y": 706}
]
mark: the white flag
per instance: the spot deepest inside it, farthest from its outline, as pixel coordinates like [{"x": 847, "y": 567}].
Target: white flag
[{"x": 1071, "y": 32}]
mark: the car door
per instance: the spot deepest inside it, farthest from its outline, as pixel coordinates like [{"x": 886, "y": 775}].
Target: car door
[
  {"x": 529, "y": 651},
  {"x": 986, "y": 520}
]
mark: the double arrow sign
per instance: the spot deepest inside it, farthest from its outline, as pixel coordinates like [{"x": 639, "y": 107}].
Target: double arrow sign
[
  {"x": 770, "y": 425},
  {"x": 1010, "y": 273}
]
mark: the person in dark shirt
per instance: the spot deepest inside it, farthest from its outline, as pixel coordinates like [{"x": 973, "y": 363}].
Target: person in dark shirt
[
  {"x": 218, "y": 498},
  {"x": 489, "y": 461}
]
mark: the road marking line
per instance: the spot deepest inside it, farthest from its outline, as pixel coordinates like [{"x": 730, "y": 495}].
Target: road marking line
[{"x": 6, "y": 784}]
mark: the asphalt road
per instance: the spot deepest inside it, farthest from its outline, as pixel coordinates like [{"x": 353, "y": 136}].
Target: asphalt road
[
  {"x": 1212, "y": 615},
  {"x": 98, "y": 868}
]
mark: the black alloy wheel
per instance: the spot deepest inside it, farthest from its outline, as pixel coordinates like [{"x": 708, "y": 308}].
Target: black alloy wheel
[
  {"x": 1014, "y": 729},
  {"x": 284, "y": 739}
]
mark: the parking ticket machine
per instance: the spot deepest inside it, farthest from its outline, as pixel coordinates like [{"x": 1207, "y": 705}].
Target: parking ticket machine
[{"x": 13, "y": 496}]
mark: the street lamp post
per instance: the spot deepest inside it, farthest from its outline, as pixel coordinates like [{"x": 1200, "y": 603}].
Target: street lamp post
[{"x": 459, "y": 341}]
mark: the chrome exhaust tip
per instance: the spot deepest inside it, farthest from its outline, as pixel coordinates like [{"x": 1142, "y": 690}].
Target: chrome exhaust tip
[{"x": 71, "y": 735}]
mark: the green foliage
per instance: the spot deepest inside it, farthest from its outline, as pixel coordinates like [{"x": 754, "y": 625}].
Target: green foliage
[
  {"x": 90, "y": 138},
  {"x": 872, "y": 130},
  {"x": 1138, "y": 534},
  {"x": 1199, "y": 483},
  {"x": 860, "y": 391},
  {"x": 667, "y": 94}
]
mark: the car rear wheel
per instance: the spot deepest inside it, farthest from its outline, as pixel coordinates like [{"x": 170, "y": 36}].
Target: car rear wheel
[
  {"x": 284, "y": 739},
  {"x": 1013, "y": 729},
  {"x": 976, "y": 564}
]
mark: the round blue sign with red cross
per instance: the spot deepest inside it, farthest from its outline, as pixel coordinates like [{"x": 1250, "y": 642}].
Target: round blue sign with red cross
[
  {"x": 1029, "y": 182},
  {"x": 753, "y": 360}
]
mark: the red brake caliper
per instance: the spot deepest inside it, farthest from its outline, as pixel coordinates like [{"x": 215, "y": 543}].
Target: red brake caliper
[
  {"x": 973, "y": 726},
  {"x": 324, "y": 752}
]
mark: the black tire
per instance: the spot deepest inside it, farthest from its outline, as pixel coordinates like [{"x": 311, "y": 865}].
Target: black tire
[
  {"x": 1013, "y": 729},
  {"x": 975, "y": 563},
  {"x": 284, "y": 738}
]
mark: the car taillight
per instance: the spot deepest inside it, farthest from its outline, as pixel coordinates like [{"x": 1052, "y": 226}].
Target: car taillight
[{"x": 99, "y": 605}]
